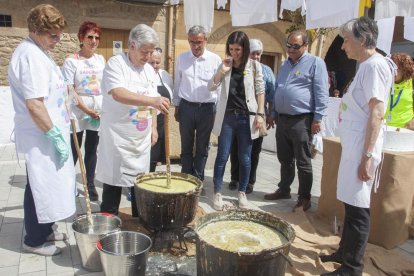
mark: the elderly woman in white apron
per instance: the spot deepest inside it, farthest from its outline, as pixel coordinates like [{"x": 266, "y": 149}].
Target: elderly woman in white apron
[
  {"x": 42, "y": 131},
  {"x": 128, "y": 126},
  {"x": 360, "y": 127}
]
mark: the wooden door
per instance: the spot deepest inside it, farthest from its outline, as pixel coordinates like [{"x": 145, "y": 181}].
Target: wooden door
[{"x": 113, "y": 41}]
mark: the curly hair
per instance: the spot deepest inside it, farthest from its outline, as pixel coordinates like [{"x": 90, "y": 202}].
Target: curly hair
[
  {"x": 405, "y": 65},
  {"x": 86, "y": 27},
  {"x": 45, "y": 17}
]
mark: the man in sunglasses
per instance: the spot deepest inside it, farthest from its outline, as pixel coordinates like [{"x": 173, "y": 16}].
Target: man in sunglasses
[{"x": 300, "y": 102}]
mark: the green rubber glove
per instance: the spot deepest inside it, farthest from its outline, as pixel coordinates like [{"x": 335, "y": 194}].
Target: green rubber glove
[
  {"x": 61, "y": 147},
  {"x": 94, "y": 122}
]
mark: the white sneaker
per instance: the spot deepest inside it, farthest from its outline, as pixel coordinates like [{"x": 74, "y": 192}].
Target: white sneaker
[
  {"x": 57, "y": 236},
  {"x": 243, "y": 203},
  {"x": 218, "y": 202},
  {"x": 46, "y": 249}
]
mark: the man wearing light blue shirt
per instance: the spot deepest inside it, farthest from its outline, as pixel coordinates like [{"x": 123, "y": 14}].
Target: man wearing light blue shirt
[{"x": 300, "y": 102}]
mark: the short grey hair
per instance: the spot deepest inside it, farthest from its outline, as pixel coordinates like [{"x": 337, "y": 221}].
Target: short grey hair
[
  {"x": 143, "y": 34},
  {"x": 302, "y": 33},
  {"x": 363, "y": 29},
  {"x": 196, "y": 30},
  {"x": 255, "y": 45}
]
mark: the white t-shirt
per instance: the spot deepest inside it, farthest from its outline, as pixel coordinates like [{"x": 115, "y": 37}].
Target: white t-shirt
[
  {"x": 29, "y": 78},
  {"x": 86, "y": 76},
  {"x": 372, "y": 78}
]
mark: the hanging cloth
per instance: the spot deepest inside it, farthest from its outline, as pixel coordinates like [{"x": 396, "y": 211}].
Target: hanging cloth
[
  {"x": 385, "y": 34},
  {"x": 330, "y": 14},
  {"x": 391, "y": 8},
  {"x": 199, "y": 12},
  {"x": 245, "y": 13},
  {"x": 292, "y": 5},
  {"x": 221, "y": 4},
  {"x": 408, "y": 28}
]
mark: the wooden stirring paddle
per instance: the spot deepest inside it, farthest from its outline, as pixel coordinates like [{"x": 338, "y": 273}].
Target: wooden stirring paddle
[{"x": 167, "y": 148}]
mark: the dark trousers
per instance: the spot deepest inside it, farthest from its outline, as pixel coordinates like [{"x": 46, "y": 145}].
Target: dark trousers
[
  {"x": 91, "y": 145},
  {"x": 111, "y": 198},
  {"x": 254, "y": 160},
  {"x": 158, "y": 150},
  {"x": 293, "y": 141},
  {"x": 196, "y": 124},
  {"x": 354, "y": 239},
  {"x": 36, "y": 233}
]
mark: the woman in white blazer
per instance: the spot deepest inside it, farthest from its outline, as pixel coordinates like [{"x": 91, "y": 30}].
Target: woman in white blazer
[{"x": 240, "y": 111}]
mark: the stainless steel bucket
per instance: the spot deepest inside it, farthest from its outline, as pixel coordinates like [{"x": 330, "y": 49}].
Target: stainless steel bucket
[
  {"x": 124, "y": 253},
  {"x": 87, "y": 235}
]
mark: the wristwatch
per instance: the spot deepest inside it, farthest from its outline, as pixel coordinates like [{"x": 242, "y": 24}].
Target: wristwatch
[
  {"x": 260, "y": 114},
  {"x": 368, "y": 154}
]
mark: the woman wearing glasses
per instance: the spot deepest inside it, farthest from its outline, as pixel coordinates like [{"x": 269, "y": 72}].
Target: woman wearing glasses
[
  {"x": 164, "y": 84},
  {"x": 42, "y": 131},
  {"x": 83, "y": 70}
]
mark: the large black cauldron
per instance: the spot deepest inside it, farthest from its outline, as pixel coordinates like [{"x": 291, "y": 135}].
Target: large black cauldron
[
  {"x": 213, "y": 261},
  {"x": 162, "y": 211}
]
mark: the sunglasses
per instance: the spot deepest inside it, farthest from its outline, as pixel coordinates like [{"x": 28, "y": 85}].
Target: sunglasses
[
  {"x": 294, "y": 46},
  {"x": 91, "y": 37},
  {"x": 158, "y": 49},
  {"x": 55, "y": 36}
]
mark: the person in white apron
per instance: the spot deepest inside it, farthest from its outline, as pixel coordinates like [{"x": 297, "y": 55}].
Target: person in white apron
[
  {"x": 128, "y": 126},
  {"x": 360, "y": 129},
  {"x": 42, "y": 131},
  {"x": 84, "y": 71}
]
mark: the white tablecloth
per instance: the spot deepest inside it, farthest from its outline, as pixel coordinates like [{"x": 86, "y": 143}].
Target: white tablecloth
[{"x": 6, "y": 115}]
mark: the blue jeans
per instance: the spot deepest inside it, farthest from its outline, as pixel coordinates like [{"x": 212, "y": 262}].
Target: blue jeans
[
  {"x": 233, "y": 126},
  {"x": 196, "y": 123}
]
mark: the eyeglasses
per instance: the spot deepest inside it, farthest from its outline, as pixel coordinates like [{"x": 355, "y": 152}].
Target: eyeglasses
[
  {"x": 294, "y": 46},
  {"x": 91, "y": 37},
  {"x": 158, "y": 49},
  {"x": 55, "y": 36}
]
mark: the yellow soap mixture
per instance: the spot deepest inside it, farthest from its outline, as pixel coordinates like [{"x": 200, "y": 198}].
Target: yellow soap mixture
[
  {"x": 159, "y": 185},
  {"x": 241, "y": 236}
]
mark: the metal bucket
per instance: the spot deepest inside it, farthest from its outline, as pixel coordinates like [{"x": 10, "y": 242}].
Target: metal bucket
[
  {"x": 88, "y": 235},
  {"x": 162, "y": 211},
  {"x": 212, "y": 260},
  {"x": 124, "y": 253}
]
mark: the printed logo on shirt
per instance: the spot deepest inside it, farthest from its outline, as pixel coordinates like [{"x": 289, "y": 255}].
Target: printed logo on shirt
[
  {"x": 139, "y": 117},
  {"x": 343, "y": 107},
  {"x": 91, "y": 85},
  {"x": 63, "y": 113}
]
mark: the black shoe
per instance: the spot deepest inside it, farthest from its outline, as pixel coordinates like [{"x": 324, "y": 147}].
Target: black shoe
[
  {"x": 93, "y": 194},
  {"x": 203, "y": 192},
  {"x": 233, "y": 185},
  {"x": 279, "y": 194},
  {"x": 331, "y": 258},
  {"x": 304, "y": 203},
  {"x": 249, "y": 189}
]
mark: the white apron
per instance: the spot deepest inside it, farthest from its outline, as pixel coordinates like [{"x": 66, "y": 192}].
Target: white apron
[
  {"x": 352, "y": 131},
  {"x": 125, "y": 137},
  {"x": 52, "y": 185}
]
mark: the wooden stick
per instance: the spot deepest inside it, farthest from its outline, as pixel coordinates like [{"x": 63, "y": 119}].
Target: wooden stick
[
  {"x": 167, "y": 148},
  {"x": 83, "y": 173}
]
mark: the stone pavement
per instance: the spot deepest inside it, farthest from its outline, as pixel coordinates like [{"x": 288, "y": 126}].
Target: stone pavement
[{"x": 13, "y": 181}]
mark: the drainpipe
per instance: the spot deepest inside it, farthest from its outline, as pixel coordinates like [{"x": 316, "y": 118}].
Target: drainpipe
[{"x": 170, "y": 38}]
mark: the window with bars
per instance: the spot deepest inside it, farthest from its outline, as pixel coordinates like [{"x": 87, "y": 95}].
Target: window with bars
[{"x": 5, "y": 20}]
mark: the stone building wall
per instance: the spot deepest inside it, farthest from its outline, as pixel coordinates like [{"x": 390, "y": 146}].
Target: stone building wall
[{"x": 108, "y": 14}]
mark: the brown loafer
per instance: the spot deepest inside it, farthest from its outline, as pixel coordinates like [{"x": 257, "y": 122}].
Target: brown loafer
[
  {"x": 279, "y": 194},
  {"x": 304, "y": 203}
]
